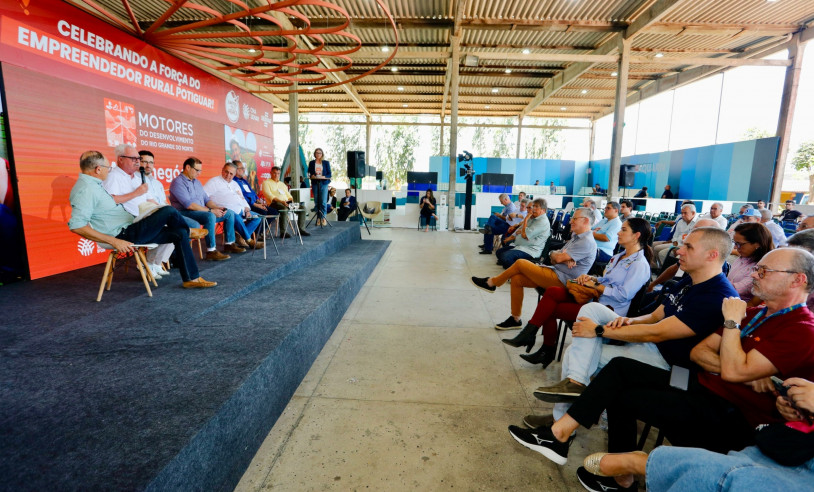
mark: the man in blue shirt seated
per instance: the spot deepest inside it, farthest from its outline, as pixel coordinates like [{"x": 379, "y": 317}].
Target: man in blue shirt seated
[
  {"x": 498, "y": 223},
  {"x": 96, "y": 216},
  {"x": 688, "y": 314},
  {"x": 189, "y": 198},
  {"x": 257, "y": 205},
  {"x": 529, "y": 238},
  {"x": 347, "y": 205},
  {"x": 605, "y": 232}
]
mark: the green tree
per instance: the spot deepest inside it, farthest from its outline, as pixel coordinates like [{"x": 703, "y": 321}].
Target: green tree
[
  {"x": 804, "y": 161},
  {"x": 339, "y": 139},
  {"x": 542, "y": 143},
  {"x": 394, "y": 152},
  {"x": 494, "y": 141},
  {"x": 436, "y": 137},
  {"x": 755, "y": 133}
]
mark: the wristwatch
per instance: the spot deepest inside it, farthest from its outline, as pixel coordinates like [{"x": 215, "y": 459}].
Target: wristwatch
[
  {"x": 732, "y": 325},
  {"x": 600, "y": 330}
]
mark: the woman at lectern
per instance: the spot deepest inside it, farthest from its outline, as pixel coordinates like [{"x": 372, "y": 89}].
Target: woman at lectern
[
  {"x": 320, "y": 172},
  {"x": 427, "y": 209}
]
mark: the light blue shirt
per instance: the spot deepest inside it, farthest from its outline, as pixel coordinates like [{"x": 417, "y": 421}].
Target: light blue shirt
[
  {"x": 92, "y": 205},
  {"x": 623, "y": 279},
  {"x": 582, "y": 249},
  {"x": 609, "y": 228},
  {"x": 538, "y": 229}
]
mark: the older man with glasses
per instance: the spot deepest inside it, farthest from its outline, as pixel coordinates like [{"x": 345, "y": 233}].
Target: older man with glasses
[{"x": 716, "y": 214}]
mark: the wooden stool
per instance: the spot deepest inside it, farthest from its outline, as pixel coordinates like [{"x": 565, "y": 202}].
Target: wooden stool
[{"x": 141, "y": 264}]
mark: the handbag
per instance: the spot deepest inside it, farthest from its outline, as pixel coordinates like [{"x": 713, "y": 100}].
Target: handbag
[{"x": 581, "y": 293}]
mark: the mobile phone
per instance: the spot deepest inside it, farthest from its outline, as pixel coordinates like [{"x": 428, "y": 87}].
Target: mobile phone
[
  {"x": 778, "y": 385},
  {"x": 679, "y": 377}
]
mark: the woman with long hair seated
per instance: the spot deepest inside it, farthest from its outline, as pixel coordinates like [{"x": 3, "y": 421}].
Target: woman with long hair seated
[
  {"x": 624, "y": 275},
  {"x": 752, "y": 241}
]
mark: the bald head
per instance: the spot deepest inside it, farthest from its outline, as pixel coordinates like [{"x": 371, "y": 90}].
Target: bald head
[
  {"x": 805, "y": 224},
  {"x": 706, "y": 223}
]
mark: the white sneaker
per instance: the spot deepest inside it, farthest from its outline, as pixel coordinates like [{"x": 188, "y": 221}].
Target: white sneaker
[{"x": 157, "y": 271}]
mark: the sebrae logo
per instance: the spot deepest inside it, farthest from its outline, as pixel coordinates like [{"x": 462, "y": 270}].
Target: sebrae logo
[
  {"x": 86, "y": 247},
  {"x": 232, "y": 106}
]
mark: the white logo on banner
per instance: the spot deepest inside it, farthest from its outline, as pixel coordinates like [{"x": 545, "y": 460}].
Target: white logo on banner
[
  {"x": 246, "y": 111},
  {"x": 232, "y": 106},
  {"x": 86, "y": 247}
]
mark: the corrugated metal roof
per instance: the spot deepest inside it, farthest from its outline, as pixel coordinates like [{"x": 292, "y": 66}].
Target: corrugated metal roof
[{"x": 546, "y": 28}]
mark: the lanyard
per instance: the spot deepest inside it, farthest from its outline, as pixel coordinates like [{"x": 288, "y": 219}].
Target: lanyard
[{"x": 758, "y": 320}]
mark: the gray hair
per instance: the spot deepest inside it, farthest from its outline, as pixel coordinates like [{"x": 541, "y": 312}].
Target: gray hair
[
  {"x": 525, "y": 201},
  {"x": 589, "y": 201},
  {"x": 803, "y": 262},
  {"x": 715, "y": 238},
  {"x": 614, "y": 205},
  {"x": 765, "y": 215},
  {"x": 502, "y": 196},
  {"x": 691, "y": 206},
  {"x": 803, "y": 240},
  {"x": 90, "y": 160},
  {"x": 231, "y": 164},
  {"x": 119, "y": 150},
  {"x": 540, "y": 202},
  {"x": 585, "y": 212}
]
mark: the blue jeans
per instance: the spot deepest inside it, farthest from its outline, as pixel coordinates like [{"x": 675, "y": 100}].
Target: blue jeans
[
  {"x": 320, "y": 195},
  {"x": 507, "y": 255},
  {"x": 677, "y": 469},
  {"x": 245, "y": 229},
  {"x": 499, "y": 226},
  {"x": 208, "y": 220},
  {"x": 165, "y": 226}
]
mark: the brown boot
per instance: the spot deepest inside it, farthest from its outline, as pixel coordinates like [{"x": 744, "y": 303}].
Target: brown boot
[
  {"x": 216, "y": 255},
  {"x": 233, "y": 248},
  {"x": 241, "y": 242}
]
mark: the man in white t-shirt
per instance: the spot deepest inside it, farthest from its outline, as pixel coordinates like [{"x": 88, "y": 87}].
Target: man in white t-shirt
[{"x": 224, "y": 190}]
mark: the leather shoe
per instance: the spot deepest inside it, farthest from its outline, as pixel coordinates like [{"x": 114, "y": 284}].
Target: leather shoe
[
  {"x": 199, "y": 283},
  {"x": 198, "y": 233},
  {"x": 233, "y": 248},
  {"x": 484, "y": 252},
  {"x": 253, "y": 244},
  {"x": 216, "y": 255},
  {"x": 303, "y": 232},
  {"x": 241, "y": 242}
]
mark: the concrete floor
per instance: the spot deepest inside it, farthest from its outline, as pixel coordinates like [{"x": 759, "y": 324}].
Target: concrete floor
[{"x": 414, "y": 390}]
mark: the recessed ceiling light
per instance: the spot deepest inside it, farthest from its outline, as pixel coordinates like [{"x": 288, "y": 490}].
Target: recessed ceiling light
[
  {"x": 324, "y": 104},
  {"x": 403, "y": 105},
  {"x": 385, "y": 49},
  {"x": 495, "y": 89},
  {"x": 526, "y": 51},
  {"x": 659, "y": 55},
  {"x": 614, "y": 74},
  {"x": 401, "y": 88},
  {"x": 488, "y": 107},
  {"x": 508, "y": 70},
  {"x": 252, "y": 50},
  {"x": 394, "y": 69},
  {"x": 584, "y": 91},
  {"x": 563, "y": 108}
]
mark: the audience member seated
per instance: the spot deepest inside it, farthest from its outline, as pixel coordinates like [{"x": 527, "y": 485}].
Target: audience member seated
[
  {"x": 598, "y": 190},
  {"x": 589, "y": 203},
  {"x": 257, "y": 204},
  {"x": 520, "y": 197},
  {"x": 682, "y": 227},
  {"x": 605, "y": 232},
  {"x": 189, "y": 198},
  {"x": 498, "y": 223},
  {"x": 624, "y": 275},
  {"x": 717, "y": 408},
  {"x": 804, "y": 240},
  {"x": 667, "y": 192},
  {"x": 347, "y": 205},
  {"x": 574, "y": 259},
  {"x": 690, "y": 312},
  {"x": 95, "y": 215},
  {"x": 752, "y": 241},
  {"x": 807, "y": 223},
  {"x": 331, "y": 205},
  {"x": 427, "y": 211},
  {"x": 739, "y": 221},
  {"x": 761, "y": 204},
  {"x": 279, "y": 198},
  {"x": 789, "y": 214},
  {"x": 224, "y": 190},
  {"x": 716, "y": 214},
  {"x": 783, "y": 458},
  {"x": 515, "y": 219},
  {"x": 625, "y": 210},
  {"x": 528, "y": 239},
  {"x": 778, "y": 235}
]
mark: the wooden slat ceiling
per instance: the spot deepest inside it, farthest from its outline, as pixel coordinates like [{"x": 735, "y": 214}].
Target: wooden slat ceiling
[{"x": 530, "y": 52}]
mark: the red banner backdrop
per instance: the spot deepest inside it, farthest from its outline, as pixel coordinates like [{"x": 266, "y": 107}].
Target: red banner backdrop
[{"x": 74, "y": 83}]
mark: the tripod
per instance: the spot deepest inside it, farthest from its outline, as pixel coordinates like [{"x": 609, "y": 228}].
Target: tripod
[{"x": 317, "y": 197}]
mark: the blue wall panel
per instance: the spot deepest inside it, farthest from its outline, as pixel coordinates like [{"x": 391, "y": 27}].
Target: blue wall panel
[
  {"x": 494, "y": 165},
  {"x": 763, "y": 168},
  {"x": 719, "y": 174},
  {"x": 522, "y": 171},
  {"x": 741, "y": 164},
  {"x": 703, "y": 171},
  {"x": 687, "y": 180},
  {"x": 576, "y": 175}
]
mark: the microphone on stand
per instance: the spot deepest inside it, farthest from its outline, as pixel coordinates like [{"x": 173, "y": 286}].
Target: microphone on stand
[{"x": 143, "y": 177}]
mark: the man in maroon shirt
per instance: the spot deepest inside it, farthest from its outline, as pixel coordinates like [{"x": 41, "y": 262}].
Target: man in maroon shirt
[{"x": 716, "y": 409}]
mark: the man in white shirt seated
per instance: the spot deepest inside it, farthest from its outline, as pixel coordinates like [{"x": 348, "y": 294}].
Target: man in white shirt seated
[
  {"x": 125, "y": 185},
  {"x": 682, "y": 227},
  {"x": 716, "y": 214},
  {"x": 224, "y": 190},
  {"x": 778, "y": 235}
]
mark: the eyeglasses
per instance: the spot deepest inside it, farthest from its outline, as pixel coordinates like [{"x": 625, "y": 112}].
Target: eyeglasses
[
  {"x": 198, "y": 169},
  {"x": 761, "y": 271},
  {"x": 136, "y": 158},
  {"x": 106, "y": 167},
  {"x": 740, "y": 245},
  {"x": 145, "y": 161}
]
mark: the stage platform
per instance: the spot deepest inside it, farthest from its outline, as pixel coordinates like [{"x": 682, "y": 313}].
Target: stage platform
[{"x": 176, "y": 391}]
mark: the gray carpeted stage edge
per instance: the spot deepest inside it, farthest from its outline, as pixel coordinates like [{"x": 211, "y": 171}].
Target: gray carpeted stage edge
[{"x": 176, "y": 391}]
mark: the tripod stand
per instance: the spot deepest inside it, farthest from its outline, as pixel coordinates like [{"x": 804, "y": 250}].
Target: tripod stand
[{"x": 320, "y": 215}]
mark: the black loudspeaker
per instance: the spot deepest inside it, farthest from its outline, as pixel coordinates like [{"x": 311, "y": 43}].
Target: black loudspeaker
[
  {"x": 379, "y": 175},
  {"x": 627, "y": 176},
  {"x": 356, "y": 164}
]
